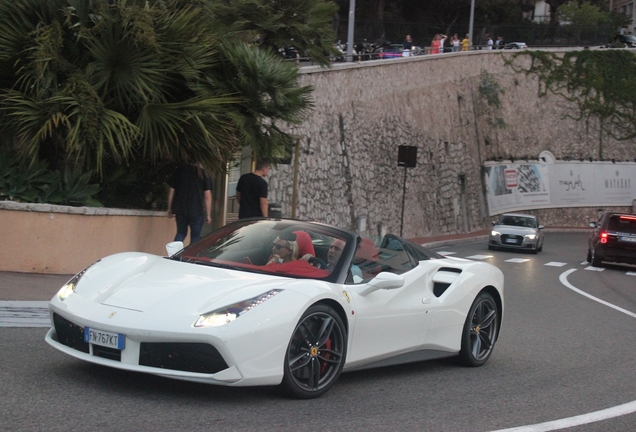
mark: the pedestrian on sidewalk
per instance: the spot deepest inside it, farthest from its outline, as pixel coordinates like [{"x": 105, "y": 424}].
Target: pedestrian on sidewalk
[
  {"x": 251, "y": 192},
  {"x": 190, "y": 200}
]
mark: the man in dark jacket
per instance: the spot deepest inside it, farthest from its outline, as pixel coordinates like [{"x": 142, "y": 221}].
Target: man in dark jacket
[
  {"x": 190, "y": 200},
  {"x": 251, "y": 192}
]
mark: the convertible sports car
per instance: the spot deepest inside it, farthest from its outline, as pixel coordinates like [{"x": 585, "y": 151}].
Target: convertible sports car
[{"x": 278, "y": 302}]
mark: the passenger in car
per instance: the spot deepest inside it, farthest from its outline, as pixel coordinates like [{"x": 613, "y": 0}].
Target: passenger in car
[{"x": 283, "y": 251}]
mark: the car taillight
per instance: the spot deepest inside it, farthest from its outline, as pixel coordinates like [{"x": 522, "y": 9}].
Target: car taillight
[
  {"x": 603, "y": 237},
  {"x": 624, "y": 217}
]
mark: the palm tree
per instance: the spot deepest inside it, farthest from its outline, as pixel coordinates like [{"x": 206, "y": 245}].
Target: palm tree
[
  {"x": 307, "y": 25},
  {"x": 97, "y": 83}
]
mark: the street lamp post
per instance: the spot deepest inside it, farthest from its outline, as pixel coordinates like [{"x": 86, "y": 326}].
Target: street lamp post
[
  {"x": 470, "y": 23},
  {"x": 352, "y": 19}
]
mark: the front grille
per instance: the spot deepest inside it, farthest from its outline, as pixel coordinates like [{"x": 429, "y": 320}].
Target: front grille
[
  {"x": 188, "y": 357},
  {"x": 69, "y": 334},
  {"x": 511, "y": 240},
  {"x": 107, "y": 353}
]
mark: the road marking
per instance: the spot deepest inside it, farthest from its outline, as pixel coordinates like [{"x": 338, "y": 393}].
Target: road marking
[
  {"x": 564, "y": 280},
  {"x": 24, "y": 314},
  {"x": 596, "y": 269},
  {"x": 631, "y": 273},
  {"x": 569, "y": 422},
  {"x": 517, "y": 260},
  {"x": 592, "y": 417},
  {"x": 445, "y": 253},
  {"x": 555, "y": 264}
]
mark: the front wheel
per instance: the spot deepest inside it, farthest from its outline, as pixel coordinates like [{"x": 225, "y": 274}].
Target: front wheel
[
  {"x": 480, "y": 331},
  {"x": 316, "y": 353}
]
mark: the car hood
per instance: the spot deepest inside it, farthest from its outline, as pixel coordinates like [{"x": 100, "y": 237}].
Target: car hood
[
  {"x": 509, "y": 229},
  {"x": 144, "y": 282}
]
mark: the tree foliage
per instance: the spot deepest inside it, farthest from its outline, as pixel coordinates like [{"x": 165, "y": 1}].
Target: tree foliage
[
  {"x": 100, "y": 83},
  {"x": 305, "y": 24},
  {"x": 599, "y": 82}
]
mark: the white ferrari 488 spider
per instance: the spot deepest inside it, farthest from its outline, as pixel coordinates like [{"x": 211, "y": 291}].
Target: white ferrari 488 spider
[{"x": 278, "y": 302}]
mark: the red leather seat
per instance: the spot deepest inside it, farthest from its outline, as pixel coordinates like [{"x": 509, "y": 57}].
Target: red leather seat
[
  {"x": 367, "y": 250},
  {"x": 305, "y": 246}
]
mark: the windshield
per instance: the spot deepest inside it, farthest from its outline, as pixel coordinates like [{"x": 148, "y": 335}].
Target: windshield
[
  {"x": 622, "y": 224},
  {"x": 288, "y": 248},
  {"x": 519, "y": 221}
]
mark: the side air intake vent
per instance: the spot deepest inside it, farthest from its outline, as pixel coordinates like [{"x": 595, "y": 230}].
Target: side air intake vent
[{"x": 444, "y": 278}]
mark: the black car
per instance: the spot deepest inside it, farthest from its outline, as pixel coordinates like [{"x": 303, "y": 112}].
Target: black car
[{"x": 613, "y": 239}]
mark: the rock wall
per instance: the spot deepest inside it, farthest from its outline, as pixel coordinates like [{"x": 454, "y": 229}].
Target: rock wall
[{"x": 363, "y": 112}]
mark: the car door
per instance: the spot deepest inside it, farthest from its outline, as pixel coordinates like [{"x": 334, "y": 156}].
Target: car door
[{"x": 389, "y": 321}]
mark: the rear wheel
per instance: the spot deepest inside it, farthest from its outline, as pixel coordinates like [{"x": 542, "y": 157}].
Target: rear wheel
[
  {"x": 595, "y": 261},
  {"x": 316, "y": 353},
  {"x": 480, "y": 331}
]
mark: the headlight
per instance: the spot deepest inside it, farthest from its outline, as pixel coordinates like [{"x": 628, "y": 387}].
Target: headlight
[
  {"x": 530, "y": 236},
  {"x": 229, "y": 313},
  {"x": 495, "y": 233},
  {"x": 69, "y": 287}
]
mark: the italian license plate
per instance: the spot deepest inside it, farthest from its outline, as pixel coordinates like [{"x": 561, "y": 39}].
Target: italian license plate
[
  {"x": 628, "y": 239},
  {"x": 103, "y": 338},
  {"x": 511, "y": 240}
]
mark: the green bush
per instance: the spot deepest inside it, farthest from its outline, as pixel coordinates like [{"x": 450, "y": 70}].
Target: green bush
[{"x": 34, "y": 183}]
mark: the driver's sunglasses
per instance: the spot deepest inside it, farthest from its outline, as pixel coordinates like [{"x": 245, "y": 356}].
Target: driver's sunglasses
[{"x": 280, "y": 246}]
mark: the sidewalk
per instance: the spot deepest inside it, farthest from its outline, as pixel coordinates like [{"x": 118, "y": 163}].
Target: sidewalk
[{"x": 30, "y": 286}]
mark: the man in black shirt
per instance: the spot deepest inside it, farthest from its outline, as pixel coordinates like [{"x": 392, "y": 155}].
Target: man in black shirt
[
  {"x": 251, "y": 192},
  {"x": 190, "y": 200}
]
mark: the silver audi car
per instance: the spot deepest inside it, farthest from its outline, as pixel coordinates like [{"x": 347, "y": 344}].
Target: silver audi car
[{"x": 517, "y": 231}]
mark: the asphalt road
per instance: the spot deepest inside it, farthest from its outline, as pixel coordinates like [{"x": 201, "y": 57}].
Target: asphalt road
[{"x": 560, "y": 355}]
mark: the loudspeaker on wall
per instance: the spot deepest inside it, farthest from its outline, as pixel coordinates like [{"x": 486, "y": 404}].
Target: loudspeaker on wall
[{"x": 407, "y": 156}]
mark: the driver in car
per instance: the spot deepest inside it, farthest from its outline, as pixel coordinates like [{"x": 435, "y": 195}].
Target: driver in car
[{"x": 335, "y": 251}]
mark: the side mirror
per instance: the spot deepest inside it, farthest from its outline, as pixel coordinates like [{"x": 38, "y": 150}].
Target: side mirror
[
  {"x": 383, "y": 280},
  {"x": 592, "y": 224},
  {"x": 541, "y": 227},
  {"x": 494, "y": 223},
  {"x": 174, "y": 247}
]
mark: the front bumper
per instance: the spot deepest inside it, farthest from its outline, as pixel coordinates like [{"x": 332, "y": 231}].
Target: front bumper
[
  {"x": 513, "y": 242},
  {"x": 171, "y": 347}
]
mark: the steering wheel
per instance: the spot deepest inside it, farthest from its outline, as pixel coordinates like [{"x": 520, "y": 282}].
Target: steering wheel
[{"x": 317, "y": 262}]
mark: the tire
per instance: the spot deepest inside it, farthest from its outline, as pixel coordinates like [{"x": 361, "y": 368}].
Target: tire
[
  {"x": 595, "y": 261},
  {"x": 480, "y": 331},
  {"x": 540, "y": 249},
  {"x": 589, "y": 255},
  {"x": 316, "y": 353},
  {"x": 491, "y": 247}
]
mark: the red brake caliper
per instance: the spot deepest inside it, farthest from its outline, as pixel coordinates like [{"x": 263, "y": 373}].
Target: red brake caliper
[{"x": 324, "y": 365}]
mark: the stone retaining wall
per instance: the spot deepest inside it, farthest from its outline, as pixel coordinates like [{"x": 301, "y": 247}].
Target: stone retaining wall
[{"x": 363, "y": 111}]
